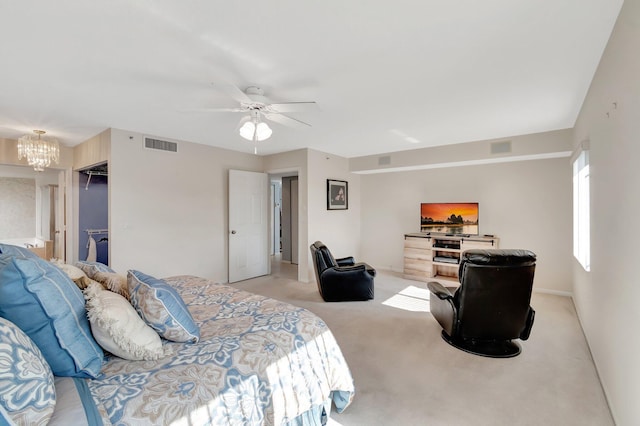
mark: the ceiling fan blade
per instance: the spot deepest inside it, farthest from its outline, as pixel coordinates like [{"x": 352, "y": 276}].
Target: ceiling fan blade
[
  {"x": 286, "y": 120},
  {"x": 216, "y": 110},
  {"x": 233, "y": 91},
  {"x": 294, "y": 106}
]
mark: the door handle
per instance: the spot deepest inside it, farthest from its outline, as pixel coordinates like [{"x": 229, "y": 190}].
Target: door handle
[{"x": 233, "y": 231}]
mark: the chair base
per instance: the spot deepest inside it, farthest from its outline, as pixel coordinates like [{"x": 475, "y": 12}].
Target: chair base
[{"x": 488, "y": 348}]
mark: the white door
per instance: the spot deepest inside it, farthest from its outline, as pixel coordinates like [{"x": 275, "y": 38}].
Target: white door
[{"x": 248, "y": 225}]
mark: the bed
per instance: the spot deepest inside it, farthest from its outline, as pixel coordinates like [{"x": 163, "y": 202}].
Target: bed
[{"x": 258, "y": 361}]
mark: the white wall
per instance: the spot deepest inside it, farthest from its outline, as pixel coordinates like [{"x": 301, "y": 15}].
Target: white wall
[
  {"x": 607, "y": 297},
  {"x": 168, "y": 211},
  {"x": 526, "y": 204}
]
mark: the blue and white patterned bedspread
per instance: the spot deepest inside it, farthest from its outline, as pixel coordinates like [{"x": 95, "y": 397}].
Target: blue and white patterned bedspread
[{"x": 259, "y": 362}]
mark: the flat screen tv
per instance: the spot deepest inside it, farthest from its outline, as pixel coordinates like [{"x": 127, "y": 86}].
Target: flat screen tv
[{"x": 449, "y": 218}]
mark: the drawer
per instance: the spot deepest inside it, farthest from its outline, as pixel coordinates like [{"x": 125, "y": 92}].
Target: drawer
[
  {"x": 420, "y": 243},
  {"x": 417, "y": 265},
  {"x": 417, "y": 275},
  {"x": 414, "y": 253},
  {"x": 470, "y": 245}
]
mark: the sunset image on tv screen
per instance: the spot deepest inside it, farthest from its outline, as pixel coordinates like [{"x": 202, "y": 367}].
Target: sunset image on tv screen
[{"x": 450, "y": 218}]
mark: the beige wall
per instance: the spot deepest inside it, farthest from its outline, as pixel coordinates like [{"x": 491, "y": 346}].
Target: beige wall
[
  {"x": 526, "y": 204},
  {"x": 295, "y": 161},
  {"x": 534, "y": 146},
  {"x": 168, "y": 211},
  {"x": 607, "y": 297},
  {"x": 338, "y": 229}
]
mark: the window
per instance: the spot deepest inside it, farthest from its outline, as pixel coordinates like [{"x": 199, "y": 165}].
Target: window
[{"x": 581, "y": 224}]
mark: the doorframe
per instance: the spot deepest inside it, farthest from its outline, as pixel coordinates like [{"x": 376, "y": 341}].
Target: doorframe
[
  {"x": 302, "y": 239},
  {"x": 275, "y": 227}
]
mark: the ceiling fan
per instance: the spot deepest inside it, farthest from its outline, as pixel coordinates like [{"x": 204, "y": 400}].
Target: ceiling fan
[{"x": 257, "y": 106}]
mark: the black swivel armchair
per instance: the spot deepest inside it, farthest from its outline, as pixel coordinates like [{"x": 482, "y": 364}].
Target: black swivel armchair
[
  {"x": 341, "y": 280},
  {"x": 491, "y": 306}
]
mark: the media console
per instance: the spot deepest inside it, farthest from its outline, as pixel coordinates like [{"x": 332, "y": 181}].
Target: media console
[{"x": 435, "y": 255}]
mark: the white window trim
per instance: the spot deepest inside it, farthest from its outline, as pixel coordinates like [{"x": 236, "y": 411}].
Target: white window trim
[{"x": 581, "y": 206}]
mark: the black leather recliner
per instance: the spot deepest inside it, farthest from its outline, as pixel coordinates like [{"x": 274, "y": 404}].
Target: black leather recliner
[
  {"x": 491, "y": 306},
  {"x": 341, "y": 280}
]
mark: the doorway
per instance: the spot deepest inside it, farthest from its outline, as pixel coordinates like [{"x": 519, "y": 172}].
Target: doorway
[
  {"x": 284, "y": 224},
  {"x": 93, "y": 214},
  {"x": 32, "y": 208}
]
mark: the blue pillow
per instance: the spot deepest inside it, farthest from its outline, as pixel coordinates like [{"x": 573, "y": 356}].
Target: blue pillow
[
  {"x": 92, "y": 268},
  {"x": 162, "y": 308},
  {"x": 43, "y": 301},
  {"x": 26, "y": 382},
  {"x": 17, "y": 251}
]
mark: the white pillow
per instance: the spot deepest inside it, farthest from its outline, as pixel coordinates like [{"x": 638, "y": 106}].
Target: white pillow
[
  {"x": 116, "y": 326},
  {"x": 113, "y": 282},
  {"x": 76, "y": 274}
]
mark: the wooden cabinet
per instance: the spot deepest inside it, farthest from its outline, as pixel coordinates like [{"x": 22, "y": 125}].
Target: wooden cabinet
[
  {"x": 428, "y": 256},
  {"x": 46, "y": 251},
  {"x": 417, "y": 258}
]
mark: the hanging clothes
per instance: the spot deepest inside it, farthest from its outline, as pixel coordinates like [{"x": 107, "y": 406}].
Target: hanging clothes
[{"x": 92, "y": 253}]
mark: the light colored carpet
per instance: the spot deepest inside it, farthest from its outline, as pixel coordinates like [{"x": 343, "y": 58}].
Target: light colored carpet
[{"x": 405, "y": 374}]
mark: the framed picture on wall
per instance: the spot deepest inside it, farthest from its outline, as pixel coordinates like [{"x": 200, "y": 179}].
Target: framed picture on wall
[{"x": 337, "y": 194}]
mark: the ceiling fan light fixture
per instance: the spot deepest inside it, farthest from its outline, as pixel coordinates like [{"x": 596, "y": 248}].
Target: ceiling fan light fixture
[
  {"x": 255, "y": 130},
  {"x": 263, "y": 131},
  {"x": 247, "y": 130}
]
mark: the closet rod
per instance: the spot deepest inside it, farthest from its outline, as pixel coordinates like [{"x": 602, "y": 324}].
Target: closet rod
[
  {"x": 96, "y": 231},
  {"x": 90, "y": 173}
]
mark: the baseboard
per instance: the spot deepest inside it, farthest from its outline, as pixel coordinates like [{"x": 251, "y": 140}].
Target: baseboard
[
  {"x": 535, "y": 290},
  {"x": 390, "y": 269},
  {"x": 554, "y": 292}
]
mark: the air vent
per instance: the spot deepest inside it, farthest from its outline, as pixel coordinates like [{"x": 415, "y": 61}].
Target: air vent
[
  {"x": 160, "y": 145},
  {"x": 384, "y": 161},
  {"x": 501, "y": 147}
]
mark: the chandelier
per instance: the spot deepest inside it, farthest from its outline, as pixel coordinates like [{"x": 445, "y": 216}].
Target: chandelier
[{"x": 38, "y": 152}]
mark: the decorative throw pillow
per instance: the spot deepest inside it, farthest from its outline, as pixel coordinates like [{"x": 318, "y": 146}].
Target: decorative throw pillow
[
  {"x": 113, "y": 282},
  {"x": 92, "y": 268},
  {"x": 118, "y": 328},
  {"x": 43, "y": 301},
  {"x": 76, "y": 274},
  {"x": 162, "y": 308},
  {"x": 26, "y": 382},
  {"x": 17, "y": 251}
]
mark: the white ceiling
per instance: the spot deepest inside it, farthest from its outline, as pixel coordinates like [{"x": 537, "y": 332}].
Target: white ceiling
[{"x": 387, "y": 75}]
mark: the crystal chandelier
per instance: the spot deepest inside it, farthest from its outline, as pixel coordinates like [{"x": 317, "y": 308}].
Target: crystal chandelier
[{"x": 38, "y": 152}]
